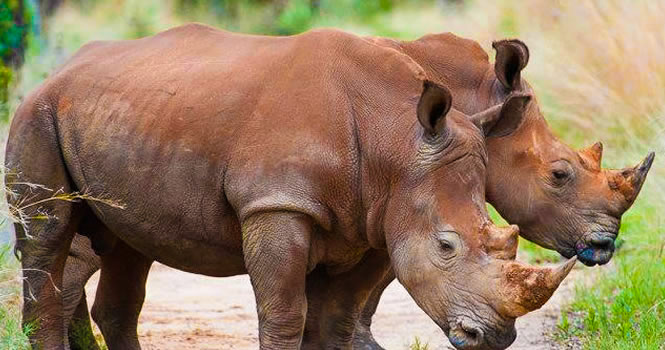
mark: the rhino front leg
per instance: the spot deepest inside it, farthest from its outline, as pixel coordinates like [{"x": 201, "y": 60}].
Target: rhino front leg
[
  {"x": 276, "y": 251},
  {"x": 120, "y": 296},
  {"x": 337, "y": 304},
  {"x": 363, "y": 338}
]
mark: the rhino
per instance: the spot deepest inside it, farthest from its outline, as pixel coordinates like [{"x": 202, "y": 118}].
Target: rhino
[
  {"x": 530, "y": 163},
  {"x": 560, "y": 198},
  {"x": 274, "y": 157}
]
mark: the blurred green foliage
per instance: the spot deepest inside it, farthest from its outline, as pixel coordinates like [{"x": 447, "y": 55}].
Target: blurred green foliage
[
  {"x": 295, "y": 17},
  {"x": 13, "y": 28},
  {"x": 16, "y": 17},
  {"x": 286, "y": 17},
  {"x": 142, "y": 16}
]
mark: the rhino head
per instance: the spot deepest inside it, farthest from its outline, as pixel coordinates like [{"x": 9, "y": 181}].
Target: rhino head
[
  {"x": 561, "y": 198},
  {"x": 456, "y": 264}
]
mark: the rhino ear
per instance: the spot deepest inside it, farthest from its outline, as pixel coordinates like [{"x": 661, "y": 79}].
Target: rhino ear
[
  {"x": 434, "y": 104},
  {"x": 503, "y": 119},
  {"x": 511, "y": 57}
]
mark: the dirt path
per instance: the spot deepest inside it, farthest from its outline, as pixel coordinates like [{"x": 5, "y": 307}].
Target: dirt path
[{"x": 187, "y": 311}]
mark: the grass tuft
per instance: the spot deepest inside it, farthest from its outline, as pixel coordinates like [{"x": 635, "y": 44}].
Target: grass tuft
[
  {"x": 418, "y": 344},
  {"x": 12, "y": 334}
]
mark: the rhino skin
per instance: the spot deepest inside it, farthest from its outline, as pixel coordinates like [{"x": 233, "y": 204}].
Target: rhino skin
[
  {"x": 560, "y": 198},
  {"x": 274, "y": 157},
  {"x": 462, "y": 65}
]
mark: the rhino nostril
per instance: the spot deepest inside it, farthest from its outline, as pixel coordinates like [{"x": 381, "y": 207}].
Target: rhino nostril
[
  {"x": 473, "y": 334},
  {"x": 603, "y": 242},
  {"x": 466, "y": 335}
]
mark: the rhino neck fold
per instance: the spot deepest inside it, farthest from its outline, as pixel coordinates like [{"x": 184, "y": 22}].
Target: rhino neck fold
[{"x": 383, "y": 140}]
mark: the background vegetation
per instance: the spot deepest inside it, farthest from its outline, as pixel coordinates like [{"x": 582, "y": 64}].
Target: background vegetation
[{"x": 598, "y": 68}]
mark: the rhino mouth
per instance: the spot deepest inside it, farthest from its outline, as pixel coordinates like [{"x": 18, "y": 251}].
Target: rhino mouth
[{"x": 598, "y": 248}]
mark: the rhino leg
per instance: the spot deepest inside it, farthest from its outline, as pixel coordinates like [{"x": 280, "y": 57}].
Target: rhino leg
[
  {"x": 318, "y": 282},
  {"x": 34, "y": 156},
  {"x": 363, "y": 338},
  {"x": 79, "y": 328},
  {"x": 336, "y": 302},
  {"x": 81, "y": 264},
  {"x": 276, "y": 251},
  {"x": 42, "y": 262},
  {"x": 120, "y": 296}
]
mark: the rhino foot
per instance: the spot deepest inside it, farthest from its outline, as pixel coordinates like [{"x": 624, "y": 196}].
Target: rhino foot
[{"x": 364, "y": 340}]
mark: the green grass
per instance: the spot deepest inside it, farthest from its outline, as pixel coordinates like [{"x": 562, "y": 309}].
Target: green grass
[
  {"x": 12, "y": 335},
  {"x": 418, "y": 345},
  {"x": 625, "y": 307},
  {"x": 79, "y": 332}
]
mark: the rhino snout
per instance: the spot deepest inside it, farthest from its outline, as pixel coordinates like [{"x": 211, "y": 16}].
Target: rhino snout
[
  {"x": 467, "y": 335},
  {"x": 598, "y": 249}
]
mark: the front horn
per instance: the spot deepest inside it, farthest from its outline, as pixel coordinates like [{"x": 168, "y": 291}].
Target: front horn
[{"x": 526, "y": 288}]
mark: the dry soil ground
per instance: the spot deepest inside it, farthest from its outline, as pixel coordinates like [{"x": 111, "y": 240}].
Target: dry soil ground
[{"x": 185, "y": 311}]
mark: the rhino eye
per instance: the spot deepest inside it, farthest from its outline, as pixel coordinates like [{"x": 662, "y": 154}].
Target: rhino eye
[
  {"x": 449, "y": 243},
  {"x": 560, "y": 174},
  {"x": 446, "y": 245}
]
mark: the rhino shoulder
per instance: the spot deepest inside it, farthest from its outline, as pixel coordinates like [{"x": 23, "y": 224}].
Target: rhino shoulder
[{"x": 189, "y": 30}]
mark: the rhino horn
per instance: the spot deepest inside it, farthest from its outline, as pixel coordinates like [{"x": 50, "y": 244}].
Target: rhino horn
[
  {"x": 526, "y": 288},
  {"x": 593, "y": 155},
  {"x": 640, "y": 172},
  {"x": 629, "y": 181}
]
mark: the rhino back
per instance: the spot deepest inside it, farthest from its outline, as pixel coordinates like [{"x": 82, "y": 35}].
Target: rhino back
[
  {"x": 194, "y": 129},
  {"x": 458, "y": 63}
]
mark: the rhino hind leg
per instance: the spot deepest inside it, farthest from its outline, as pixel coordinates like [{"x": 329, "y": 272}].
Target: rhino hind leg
[
  {"x": 79, "y": 328},
  {"x": 42, "y": 264},
  {"x": 81, "y": 264},
  {"x": 120, "y": 295},
  {"x": 43, "y": 239}
]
